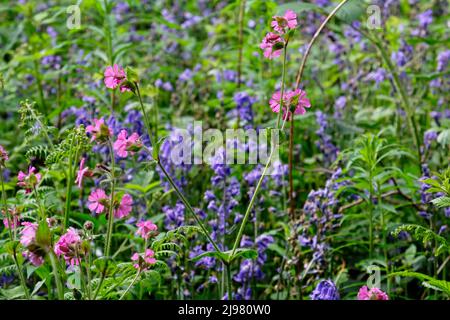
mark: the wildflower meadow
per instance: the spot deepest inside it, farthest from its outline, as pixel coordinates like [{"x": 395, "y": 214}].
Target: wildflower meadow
[{"x": 224, "y": 150}]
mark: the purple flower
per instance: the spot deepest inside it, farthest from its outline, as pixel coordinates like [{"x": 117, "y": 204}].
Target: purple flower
[
  {"x": 443, "y": 58},
  {"x": 425, "y": 18},
  {"x": 325, "y": 290},
  {"x": 186, "y": 75},
  {"x": 377, "y": 76},
  {"x": 429, "y": 137},
  {"x": 325, "y": 144}
]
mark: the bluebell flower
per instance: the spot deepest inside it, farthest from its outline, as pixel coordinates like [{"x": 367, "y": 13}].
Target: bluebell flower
[{"x": 325, "y": 290}]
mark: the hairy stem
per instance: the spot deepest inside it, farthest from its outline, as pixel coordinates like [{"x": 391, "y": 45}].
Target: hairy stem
[
  {"x": 21, "y": 277},
  {"x": 131, "y": 284},
  {"x": 69, "y": 187},
  {"x": 229, "y": 284},
  {"x": 111, "y": 202},
  {"x": 169, "y": 178},
  {"x": 59, "y": 287}
]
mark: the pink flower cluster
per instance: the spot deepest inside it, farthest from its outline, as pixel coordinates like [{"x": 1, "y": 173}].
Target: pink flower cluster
[
  {"x": 99, "y": 201},
  {"x": 69, "y": 246},
  {"x": 146, "y": 228},
  {"x": 294, "y": 100},
  {"x": 281, "y": 23},
  {"x": 27, "y": 239},
  {"x": 273, "y": 42},
  {"x": 29, "y": 180},
  {"x": 143, "y": 262},
  {"x": 371, "y": 294},
  {"x": 115, "y": 76},
  {"x": 125, "y": 144},
  {"x": 122, "y": 146},
  {"x": 124, "y": 208}
]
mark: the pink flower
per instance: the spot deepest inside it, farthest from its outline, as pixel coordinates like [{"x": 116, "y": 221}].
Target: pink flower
[
  {"x": 14, "y": 223},
  {"x": 100, "y": 131},
  {"x": 69, "y": 246},
  {"x": 3, "y": 156},
  {"x": 270, "y": 41},
  {"x": 371, "y": 294},
  {"x": 28, "y": 234},
  {"x": 82, "y": 172},
  {"x": 34, "y": 258},
  {"x": 97, "y": 201},
  {"x": 29, "y": 180},
  {"x": 114, "y": 76},
  {"x": 289, "y": 20},
  {"x": 144, "y": 262},
  {"x": 145, "y": 228},
  {"x": 14, "y": 216},
  {"x": 123, "y": 145},
  {"x": 27, "y": 239},
  {"x": 125, "y": 207},
  {"x": 293, "y": 99}
]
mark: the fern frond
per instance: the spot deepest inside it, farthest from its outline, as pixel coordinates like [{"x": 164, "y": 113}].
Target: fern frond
[
  {"x": 428, "y": 281},
  {"x": 425, "y": 235}
]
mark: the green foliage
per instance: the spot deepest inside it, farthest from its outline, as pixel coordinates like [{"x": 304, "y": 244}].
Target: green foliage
[
  {"x": 74, "y": 142},
  {"x": 425, "y": 235},
  {"x": 428, "y": 281}
]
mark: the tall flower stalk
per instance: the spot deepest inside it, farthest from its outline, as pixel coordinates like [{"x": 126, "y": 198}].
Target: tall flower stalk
[
  {"x": 111, "y": 202},
  {"x": 299, "y": 77},
  {"x": 297, "y": 85}
]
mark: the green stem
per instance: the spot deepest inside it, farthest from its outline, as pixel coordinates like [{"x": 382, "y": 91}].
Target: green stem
[
  {"x": 59, "y": 286},
  {"x": 370, "y": 215},
  {"x": 111, "y": 203},
  {"x": 169, "y": 178},
  {"x": 82, "y": 278},
  {"x": 188, "y": 206},
  {"x": 258, "y": 185},
  {"x": 69, "y": 187},
  {"x": 102, "y": 278},
  {"x": 383, "y": 230},
  {"x": 88, "y": 273},
  {"x": 21, "y": 277},
  {"x": 131, "y": 284},
  {"x": 229, "y": 284},
  {"x": 250, "y": 205}
]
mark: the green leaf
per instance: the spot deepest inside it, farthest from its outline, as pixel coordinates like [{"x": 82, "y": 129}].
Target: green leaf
[
  {"x": 245, "y": 253},
  {"x": 43, "y": 235},
  {"x": 441, "y": 202},
  {"x": 132, "y": 75}
]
